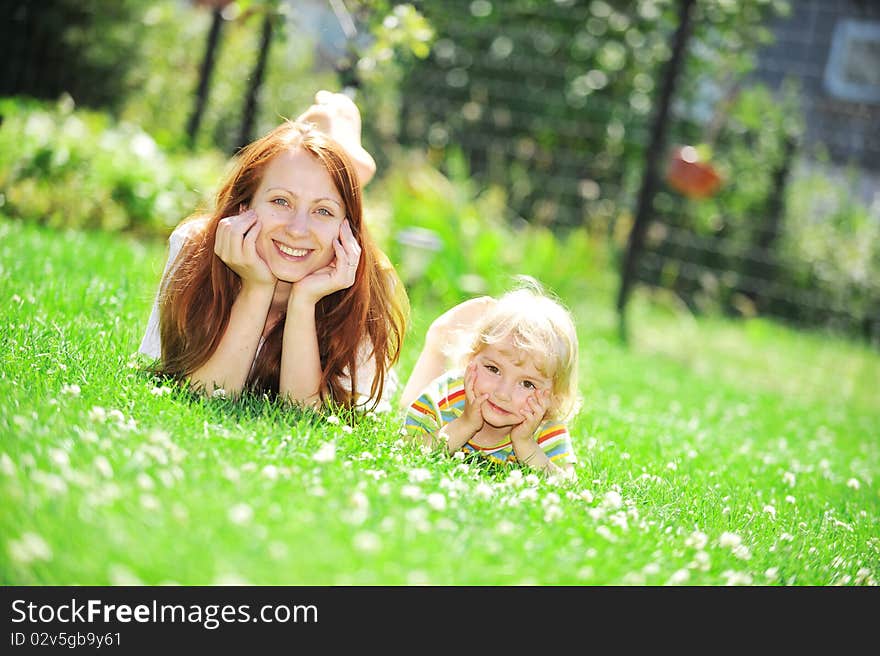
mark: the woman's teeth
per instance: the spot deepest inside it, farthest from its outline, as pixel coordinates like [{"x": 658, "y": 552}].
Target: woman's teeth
[{"x": 293, "y": 252}]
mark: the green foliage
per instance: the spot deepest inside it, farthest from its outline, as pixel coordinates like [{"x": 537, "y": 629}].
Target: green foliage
[
  {"x": 77, "y": 168},
  {"x": 478, "y": 250}
]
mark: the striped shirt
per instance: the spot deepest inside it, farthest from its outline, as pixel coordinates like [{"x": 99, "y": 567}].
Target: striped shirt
[{"x": 444, "y": 399}]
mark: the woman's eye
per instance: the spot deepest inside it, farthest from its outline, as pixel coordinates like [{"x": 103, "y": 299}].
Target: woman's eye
[
  {"x": 280, "y": 201},
  {"x": 323, "y": 211}
]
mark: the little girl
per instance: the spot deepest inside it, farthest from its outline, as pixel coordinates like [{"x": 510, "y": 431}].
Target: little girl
[{"x": 517, "y": 387}]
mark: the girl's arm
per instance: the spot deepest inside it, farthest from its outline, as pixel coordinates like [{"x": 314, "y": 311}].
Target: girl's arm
[
  {"x": 230, "y": 364},
  {"x": 524, "y": 442}
]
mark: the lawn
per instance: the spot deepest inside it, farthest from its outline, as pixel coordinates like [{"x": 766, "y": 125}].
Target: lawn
[{"x": 711, "y": 452}]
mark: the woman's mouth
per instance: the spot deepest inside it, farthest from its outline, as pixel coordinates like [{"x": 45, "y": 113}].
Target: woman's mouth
[{"x": 292, "y": 253}]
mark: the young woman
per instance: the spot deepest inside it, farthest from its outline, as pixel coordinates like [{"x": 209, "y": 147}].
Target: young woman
[{"x": 280, "y": 289}]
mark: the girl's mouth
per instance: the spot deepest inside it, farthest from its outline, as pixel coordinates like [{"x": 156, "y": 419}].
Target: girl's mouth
[{"x": 497, "y": 409}]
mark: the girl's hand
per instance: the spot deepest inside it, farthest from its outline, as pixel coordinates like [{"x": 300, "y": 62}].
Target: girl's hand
[
  {"x": 236, "y": 245},
  {"x": 533, "y": 415},
  {"x": 473, "y": 404},
  {"x": 339, "y": 274}
]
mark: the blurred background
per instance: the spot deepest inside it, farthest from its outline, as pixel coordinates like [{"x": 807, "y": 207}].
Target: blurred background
[{"x": 721, "y": 157}]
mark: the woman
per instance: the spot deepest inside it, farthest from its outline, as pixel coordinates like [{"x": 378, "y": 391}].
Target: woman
[{"x": 281, "y": 289}]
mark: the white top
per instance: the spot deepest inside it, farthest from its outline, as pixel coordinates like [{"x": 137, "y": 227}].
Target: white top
[{"x": 151, "y": 344}]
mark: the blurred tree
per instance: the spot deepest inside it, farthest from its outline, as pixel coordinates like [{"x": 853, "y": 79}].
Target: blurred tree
[
  {"x": 82, "y": 47},
  {"x": 207, "y": 67}
]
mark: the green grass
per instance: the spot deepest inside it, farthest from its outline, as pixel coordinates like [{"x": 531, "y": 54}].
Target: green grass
[{"x": 710, "y": 452}]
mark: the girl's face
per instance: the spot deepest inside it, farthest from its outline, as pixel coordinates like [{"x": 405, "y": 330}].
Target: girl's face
[
  {"x": 509, "y": 376},
  {"x": 301, "y": 212}
]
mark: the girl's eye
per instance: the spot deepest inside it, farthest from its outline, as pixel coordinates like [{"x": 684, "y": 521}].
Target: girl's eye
[
  {"x": 529, "y": 385},
  {"x": 492, "y": 368}
]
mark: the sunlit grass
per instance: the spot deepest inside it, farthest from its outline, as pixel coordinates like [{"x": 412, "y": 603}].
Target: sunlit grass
[{"x": 711, "y": 452}]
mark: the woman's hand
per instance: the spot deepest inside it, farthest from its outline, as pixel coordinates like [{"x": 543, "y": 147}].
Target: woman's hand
[
  {"x": 533, "y": 415},
  {"x": 236, "y": 244},
  {"x": 339, "y": 274}
]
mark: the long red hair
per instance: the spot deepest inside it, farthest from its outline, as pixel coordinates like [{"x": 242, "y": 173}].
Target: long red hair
[{"x": 200, "y": 289}]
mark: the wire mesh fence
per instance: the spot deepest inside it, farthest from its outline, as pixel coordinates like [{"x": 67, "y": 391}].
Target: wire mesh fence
[{"x": 554, "y": 102}]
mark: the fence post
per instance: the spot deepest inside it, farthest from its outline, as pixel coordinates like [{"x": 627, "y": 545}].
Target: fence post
[
  {"x": 205, "y": 72},
  {"x": 652, "y": 156}
]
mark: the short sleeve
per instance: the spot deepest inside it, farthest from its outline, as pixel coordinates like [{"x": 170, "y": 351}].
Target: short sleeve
[
  {"x": 554, "y": 439},
  {"x": 151, "y": 344},
  {"x": 423, "y": 419}
]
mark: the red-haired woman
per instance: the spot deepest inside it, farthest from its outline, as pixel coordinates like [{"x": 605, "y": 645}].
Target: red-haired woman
[{"x": 281, "y": 289}]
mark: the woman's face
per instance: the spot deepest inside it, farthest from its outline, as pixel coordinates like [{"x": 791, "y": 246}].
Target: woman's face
[{"x": 301, "y": 212}]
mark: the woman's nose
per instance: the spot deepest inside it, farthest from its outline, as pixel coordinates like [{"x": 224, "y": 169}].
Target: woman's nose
[{"x": 298, "y": 222}]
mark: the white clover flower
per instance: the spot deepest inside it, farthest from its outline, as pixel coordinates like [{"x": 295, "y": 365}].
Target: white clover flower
[
  {"x": 419, "y": 475},
  {"x": 270, "y": 472},
  {"x": 332, "y": 419},
  {"x": 360, "y": 500},
  {"x": 103, "y": 466},
  {"x": 437, "y": 501},
  {"x": 325, "y": 453},
  {"x": 853, "y": 483},
  {"x": 218, "y": 393},
  {"x": 411, "y": 492},
  {"x": 612, "y": 500},
  {"x": 552, "y": 513},
  {"x": 6, "y": 465},
  {"x": 742, "y": 552},
  {"x": 240, "y": 513},
  {"x": 458, "y": 455},
  {"x": 348, "y": 430},
  {"x": 586, "y": 495},
  {"x": 97, "y": 414},
  {"x": 770, "y": 510},
  {"x": 505, "y": 527},
  {"x": 606, "y": 533},
  {"x": 367, "y": 542},
  {"x": 790, "y": 499},
  {"x": 531, "y": 479},
  {"x": 731, "y": 540},
  {"x": 149, "y": 502},
  {"x": 671, "y": 466},
  {"x": 161, "y": 391},
  {"x": 483, "y": 490},
  {"x": 144, "y": 481},
  {"x": 528, "y": 494},
  {"x": 772, "y": 573},
  {"x": 679, "y": 577},
  {"x": 28, "y": 548},
  {"x": 121, "y": 575},
  {"x": 788, "y": 478},
  {"x": 72, "y": 390},
  {"x": 697, "y": 540},
  {"x": 737, "y": 578},
  {"x": 515, "y": 478},
  {"x": 59, "y": 457}
]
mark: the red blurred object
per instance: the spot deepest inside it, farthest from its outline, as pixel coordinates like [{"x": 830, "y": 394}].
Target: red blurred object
[{"x": 691, "y": 177}]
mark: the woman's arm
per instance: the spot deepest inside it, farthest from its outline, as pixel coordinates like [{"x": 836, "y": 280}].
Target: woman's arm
[
  {"x": 300, "y": 357},
  {"x": 230, "y": 364}
]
